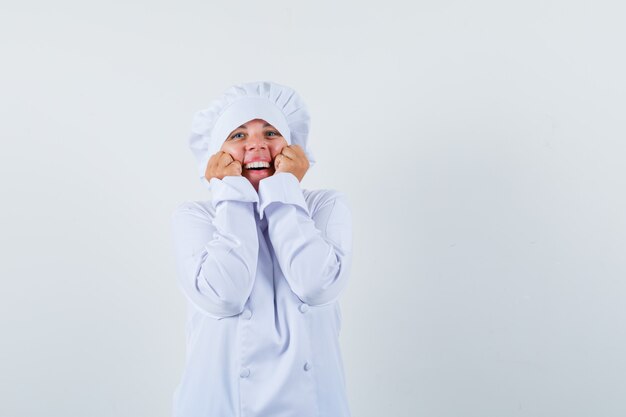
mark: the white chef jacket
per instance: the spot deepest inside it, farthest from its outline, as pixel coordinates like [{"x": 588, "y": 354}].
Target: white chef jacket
[{"x": 262, "y": 274}]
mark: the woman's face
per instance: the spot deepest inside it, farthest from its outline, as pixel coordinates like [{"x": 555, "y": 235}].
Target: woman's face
[{"x": 255, "y": 141}]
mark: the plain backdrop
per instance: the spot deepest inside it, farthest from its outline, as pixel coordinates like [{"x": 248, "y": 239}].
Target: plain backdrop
[{"x": 480, "y": 143}]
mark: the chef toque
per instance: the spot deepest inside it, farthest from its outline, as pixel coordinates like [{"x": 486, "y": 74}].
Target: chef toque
[{"x": 277, "y": 104}]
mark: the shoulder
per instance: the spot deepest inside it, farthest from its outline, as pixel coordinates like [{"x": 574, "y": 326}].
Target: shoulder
[
  {"x": 189, "y": 208},
  {"x": 316, "y": 199}
]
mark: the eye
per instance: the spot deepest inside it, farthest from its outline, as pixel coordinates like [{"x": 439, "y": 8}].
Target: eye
[
  {"x": 273, "y": 133},
  {"x": 236, "y": 135}
]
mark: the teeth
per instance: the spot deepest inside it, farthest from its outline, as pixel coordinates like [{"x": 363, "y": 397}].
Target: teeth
[{"x": 257, "y": 164}]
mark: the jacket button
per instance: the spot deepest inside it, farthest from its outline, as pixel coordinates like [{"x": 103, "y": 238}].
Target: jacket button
[
  {"x": 246, "y": 314},
  {"x": 307, "y": 366},
  {"x": 245, "y": 372},
  {"x": 304, "y": 308}
]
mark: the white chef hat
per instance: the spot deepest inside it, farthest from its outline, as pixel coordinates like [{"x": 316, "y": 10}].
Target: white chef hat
[{"x": 277, "y": 104}]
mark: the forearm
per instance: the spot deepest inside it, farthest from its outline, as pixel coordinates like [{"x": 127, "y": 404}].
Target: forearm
[
  {"x": 217, "y": 258},
  {"x": 314, "y": 250}
]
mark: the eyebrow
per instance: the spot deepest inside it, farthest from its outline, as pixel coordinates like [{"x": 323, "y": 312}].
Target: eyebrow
[{"x": 244, "y": 127}]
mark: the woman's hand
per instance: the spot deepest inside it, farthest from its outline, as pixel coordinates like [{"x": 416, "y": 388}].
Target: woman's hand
[
  {"x": 292, "y": 159},
  {"x": 222, "y": 164}
]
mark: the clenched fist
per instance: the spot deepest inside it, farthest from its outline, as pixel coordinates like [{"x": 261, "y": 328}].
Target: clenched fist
[
  {"x": 222, "y": 164},
  {"x": 292, "y": 159}
]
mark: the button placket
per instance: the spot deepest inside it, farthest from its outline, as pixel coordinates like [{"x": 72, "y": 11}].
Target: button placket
[{"x": 304, "y": 307}]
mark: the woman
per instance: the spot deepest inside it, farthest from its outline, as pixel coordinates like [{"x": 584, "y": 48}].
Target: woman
[{"x": 262, "y": 265}]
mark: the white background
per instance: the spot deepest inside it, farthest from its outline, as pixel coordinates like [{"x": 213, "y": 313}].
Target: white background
[{"x": 480, "y": 143}]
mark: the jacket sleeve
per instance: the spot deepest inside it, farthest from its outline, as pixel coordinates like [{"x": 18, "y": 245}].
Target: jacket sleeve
[
  {"x": 216, "y": 257},
  {"x": 314, "y": 251}
]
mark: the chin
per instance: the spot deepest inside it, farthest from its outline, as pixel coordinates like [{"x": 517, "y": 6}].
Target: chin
[{"x": 259, "y": 177}]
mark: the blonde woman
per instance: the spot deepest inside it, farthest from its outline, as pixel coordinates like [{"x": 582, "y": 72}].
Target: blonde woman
[{"x": 262, "y": 264}]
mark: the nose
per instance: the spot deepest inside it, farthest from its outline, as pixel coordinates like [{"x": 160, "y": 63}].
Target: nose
[{"x": 255, "y": 141}]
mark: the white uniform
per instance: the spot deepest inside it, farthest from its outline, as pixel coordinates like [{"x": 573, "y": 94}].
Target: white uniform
[{"x": 262, "y": 274}]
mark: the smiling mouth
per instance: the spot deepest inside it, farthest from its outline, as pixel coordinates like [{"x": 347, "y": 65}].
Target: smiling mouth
[
  {"x": 260, "y": 170},
  {"x": 258, "y": 166}
]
